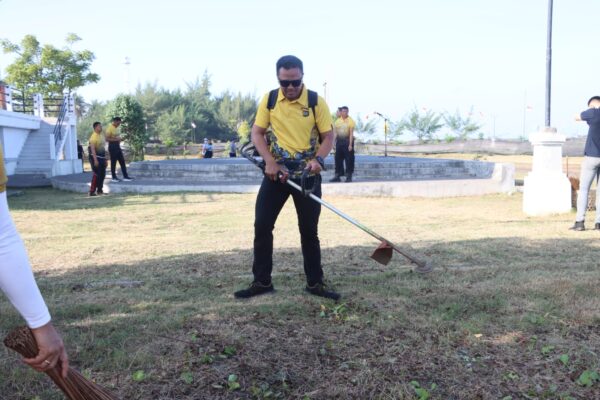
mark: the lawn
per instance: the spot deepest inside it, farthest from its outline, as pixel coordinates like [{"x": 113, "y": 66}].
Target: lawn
[{"x": 510, "y": 312}]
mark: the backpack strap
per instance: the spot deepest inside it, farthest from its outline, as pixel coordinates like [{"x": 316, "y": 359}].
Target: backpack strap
[
  {"x": 313, "y": 100},
  {"x": 272, "y": 102}
]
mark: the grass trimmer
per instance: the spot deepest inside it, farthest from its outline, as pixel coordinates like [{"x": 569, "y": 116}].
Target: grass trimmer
[{"x": 382, "y": 254}]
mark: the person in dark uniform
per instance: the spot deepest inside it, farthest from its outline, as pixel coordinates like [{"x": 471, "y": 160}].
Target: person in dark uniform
[
  {"x": 97, "y": 157},
  {"x": 344, "y": 146},
  {"x": 114, "y": 148},
  {"x": 80, "y": 154},
  {"x": 302, "y": 135}
]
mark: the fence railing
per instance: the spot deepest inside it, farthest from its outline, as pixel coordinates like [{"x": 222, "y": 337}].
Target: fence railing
[
  {"x": 62, "y": 108},
  {"x": 58, "y": 128},
  {"x": 12, "y": 99}
]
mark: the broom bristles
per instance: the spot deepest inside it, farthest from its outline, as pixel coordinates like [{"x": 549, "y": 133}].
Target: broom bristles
[{"x": 75, "y": 386}]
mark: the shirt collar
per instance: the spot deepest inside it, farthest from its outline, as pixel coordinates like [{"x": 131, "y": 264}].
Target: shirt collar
[{"x": 303, "y": 99}]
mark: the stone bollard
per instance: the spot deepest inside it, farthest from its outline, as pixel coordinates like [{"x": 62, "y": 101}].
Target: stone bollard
[{"x": 547, "y": 189}]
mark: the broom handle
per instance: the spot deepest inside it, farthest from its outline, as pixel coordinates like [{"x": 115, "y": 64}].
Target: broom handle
[{"x": 354, "y": 222}]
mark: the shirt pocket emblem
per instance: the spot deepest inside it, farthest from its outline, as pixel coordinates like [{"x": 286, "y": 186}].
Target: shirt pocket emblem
[{"x": 305, "y": 112}]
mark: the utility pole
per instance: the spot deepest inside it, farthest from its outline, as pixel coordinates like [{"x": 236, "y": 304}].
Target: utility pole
[
  {"x": 549, "y": 62},
  {"x": 127, "y": 63}
]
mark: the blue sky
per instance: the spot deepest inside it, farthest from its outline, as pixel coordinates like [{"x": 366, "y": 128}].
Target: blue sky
[{"x": 385, "y": 56}]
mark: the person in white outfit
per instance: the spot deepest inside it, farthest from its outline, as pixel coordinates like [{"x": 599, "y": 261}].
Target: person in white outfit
[{"x": 18, "y": 284}]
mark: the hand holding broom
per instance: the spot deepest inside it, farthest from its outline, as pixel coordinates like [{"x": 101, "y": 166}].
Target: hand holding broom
[
  {"x": 74, "y": 385},
  {"x": 51, "y": 350}
]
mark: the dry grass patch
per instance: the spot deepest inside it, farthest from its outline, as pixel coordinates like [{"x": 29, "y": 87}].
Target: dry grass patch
[{"x": 515, "y": 311}]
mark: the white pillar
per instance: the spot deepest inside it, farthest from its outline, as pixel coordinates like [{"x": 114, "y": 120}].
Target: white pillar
[
  {"x": 547, "y": 189},
  {"x": 8, "y": 97},
  {"x": 38, "y": 105}
]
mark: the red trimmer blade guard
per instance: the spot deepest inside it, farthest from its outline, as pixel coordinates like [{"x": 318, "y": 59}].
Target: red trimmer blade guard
[{"x": 383, "y": 253}]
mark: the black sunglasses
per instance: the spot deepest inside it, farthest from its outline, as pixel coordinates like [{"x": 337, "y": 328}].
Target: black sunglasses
[{"x": 294, "y": 83}]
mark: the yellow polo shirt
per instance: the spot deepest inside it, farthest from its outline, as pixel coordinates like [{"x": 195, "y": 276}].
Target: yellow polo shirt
[
  {"x": 293, "y": 122},
  {"x": 111, "y": 131},
  {"x": 343, "y": 127},
  {"x": 97, "y": 140},
  {"x": 3, "y": 177}
]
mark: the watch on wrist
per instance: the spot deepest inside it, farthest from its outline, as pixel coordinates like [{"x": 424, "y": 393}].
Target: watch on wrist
[{"x": 321, "y": 162}]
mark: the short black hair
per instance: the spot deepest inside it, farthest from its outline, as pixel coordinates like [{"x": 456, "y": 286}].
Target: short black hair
[
  {"x": 117, "y": 119},
  {"x": 342, "y": 108},
  {"x": 96, "y": 124},
  {"x": 289, "y": 62},
  {"x": 593, "y": 98}
]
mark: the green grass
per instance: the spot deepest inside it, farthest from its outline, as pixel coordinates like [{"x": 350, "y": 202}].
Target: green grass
[{"x": 510, "y": 296}]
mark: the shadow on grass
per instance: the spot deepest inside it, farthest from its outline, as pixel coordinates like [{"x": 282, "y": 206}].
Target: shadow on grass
[
  {"x": 493, "y": 323},
  {"x": 52, "y": 199}
]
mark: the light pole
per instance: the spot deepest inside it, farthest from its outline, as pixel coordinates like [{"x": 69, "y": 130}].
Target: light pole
[
  {"x": 194, "y": 131},
  {"x": 549, "y": 62},
  {"x": 385, "y": 131},
  {"x": 127, "y": 63}
]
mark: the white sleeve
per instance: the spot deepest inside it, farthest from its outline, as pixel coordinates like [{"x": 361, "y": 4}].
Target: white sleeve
[{"x": 16, "y": 277}]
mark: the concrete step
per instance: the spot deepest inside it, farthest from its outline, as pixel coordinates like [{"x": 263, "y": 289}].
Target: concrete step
[
  {"x": 35, "y": 163},
  {"x": 28, "y": 180},
  {"x": 194, "y": 170}
]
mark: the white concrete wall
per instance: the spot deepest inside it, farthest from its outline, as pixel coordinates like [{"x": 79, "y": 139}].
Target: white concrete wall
[{"x": 14, "y": 129}]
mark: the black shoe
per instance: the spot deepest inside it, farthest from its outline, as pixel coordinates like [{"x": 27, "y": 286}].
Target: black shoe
[
  {"x": 597, "y": 226},
  {"x": 254, "y": 289},
  {"x": 579, "y": 226},
  {"x": 127, "y": 179},
  {"x": 92, "y": 194},
  {"x": 349, "y": 178},
  {"x": 335, "y": 179},
  {"x": 320, "y": 289}
]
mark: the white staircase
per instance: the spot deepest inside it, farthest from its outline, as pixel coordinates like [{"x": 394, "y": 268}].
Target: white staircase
[{"x": 35, "y": 158}]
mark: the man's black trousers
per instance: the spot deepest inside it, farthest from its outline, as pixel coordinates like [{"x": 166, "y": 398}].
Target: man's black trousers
[
  {"x": 269, "y": 202},
  {"x": 343, "y": 155},
  {"x": 99, "y": 174},
  {"x": 114, "y": 149}
]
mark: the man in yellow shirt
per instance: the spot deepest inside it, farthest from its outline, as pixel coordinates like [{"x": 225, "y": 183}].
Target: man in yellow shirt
[
  {"x": 344, "y": 146},
  {"x": 302, "y": 135},
  {"x": 97, "y": 156},
  {"x": 114, "y": 149}
]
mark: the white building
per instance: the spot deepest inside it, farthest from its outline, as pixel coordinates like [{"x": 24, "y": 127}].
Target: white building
[{"x": 35, "y": 143}]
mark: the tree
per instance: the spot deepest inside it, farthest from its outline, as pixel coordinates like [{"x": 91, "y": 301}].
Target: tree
[
  {"x": 365, "y": 127},
  {"x": 47, "y": 69},
  {"x": 217, "y": 117},
  {"x": 423, "y": 127},
  {"x": 171, "y": 126},
  {"x": 461, "y": 127},
  {"x": 90, "y": 113},
  {"x": 155, "y": 102},
  {"x": 133, "y": 125},
  {"x": 243, "y": 131},
  {"x": 233, "y": 109}
]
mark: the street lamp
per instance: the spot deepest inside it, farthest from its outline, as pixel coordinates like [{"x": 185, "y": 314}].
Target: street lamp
[
  {"x": 194, "y": 131},
  {"x": 385, "y": 131}
]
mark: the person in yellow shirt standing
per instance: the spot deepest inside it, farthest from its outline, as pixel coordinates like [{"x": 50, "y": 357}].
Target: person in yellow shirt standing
[
  {"x": 18, "y": 284},
  {"x": 97, "y": 156},
  {"x": 114, "y": 149},
  {"x": 302, "y": 137},
  {"x": 344, "y": 146}
]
